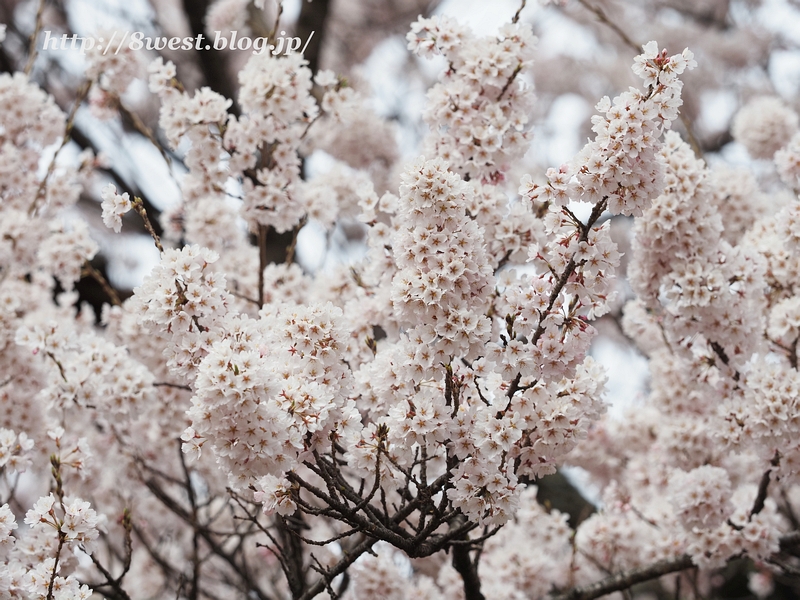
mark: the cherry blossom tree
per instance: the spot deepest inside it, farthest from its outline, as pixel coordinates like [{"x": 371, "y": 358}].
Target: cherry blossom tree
[{"x": 388, "y": 426}]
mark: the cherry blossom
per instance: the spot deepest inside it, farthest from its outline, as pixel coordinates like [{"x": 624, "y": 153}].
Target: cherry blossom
[{"x": 387, "y": 425}]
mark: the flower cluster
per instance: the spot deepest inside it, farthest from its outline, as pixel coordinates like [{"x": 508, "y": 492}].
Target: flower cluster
[
  {"x": 621, "y": 537},
  {"x": 764, "y": 126},
  {"x": 114, "y": 205},
  {"x": 269, "y": 390},
  {"x": 31, "y": 120},
  {"x": 701, "y": 497},
  {"x": 185, "y": 298},
  {"x": 787, "y": 160},
  {"x": 200, "y": 119},
  {"x": 410, "y": 401},
  {"x": 379, "y": 576},
  {"x": 555, "y": 417},
  {"x": 87, "y": 370},
  {"x": 358, "y": 137},
  {"x": 229, "y": 15},
  {"x": 78, "y": 527},
  {"x": 739, "y": 200},
  {"x": 528, "y": 554},
  {"x": 743, "y": 533},
  {"x": 15, "y": 450},
  {"x": 443, "y": 280},
  {"x": 275, "y": 95},
  {"x": 275, "y": 494},
  {"x": 65, "y": 251},
  {"x": 478, "y": 112},
  {"x": 682, "y": 264},
  {"x": 40, "y": 562},
  {"x": 112, "y": 73},
  {"x": 334, "y": 195},
  {"x": 78, "y": 523},
  {"x": 620, "y": 164},
  {"x": 768, "y": 408}
]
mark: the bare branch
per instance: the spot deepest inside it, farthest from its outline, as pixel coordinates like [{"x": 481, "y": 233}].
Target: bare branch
[{"x": 625, "y": 580}]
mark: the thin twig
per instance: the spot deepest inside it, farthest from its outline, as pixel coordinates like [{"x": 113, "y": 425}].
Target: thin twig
[
  {"x": 515, "y": 18},
  {"x": 611, "y": 24},
  {"x": 83, "y": 91},
  {"x": 172, "y": 385},
  {"x": 138, "y": 205},
  {"x": 112, "y": 582},
  {"x": 272, "y": 35},
  {"x": 207, "y": 536},
  {"x": 350, "y": 556},
  {"x": 32, "y": 51},
  {"x": 90, "y": 271},
  {"x": 142, "y": 128}
]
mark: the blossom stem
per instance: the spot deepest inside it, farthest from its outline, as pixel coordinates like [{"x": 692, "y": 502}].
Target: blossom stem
[
  {"x": 138, "y": 205},
  {"x": 79, "y": 98},
  {"x": 515, "y": 18}
]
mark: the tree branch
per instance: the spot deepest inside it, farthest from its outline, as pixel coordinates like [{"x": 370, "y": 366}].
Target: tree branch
[
  {"x": 350, "y": 556},
  {"x": 465, "y": 567},
  {"x": 626, "y": 579}
]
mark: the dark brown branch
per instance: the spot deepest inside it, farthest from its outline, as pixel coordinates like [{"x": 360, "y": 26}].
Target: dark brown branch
[
  {"x": 623, "y": 581},
  {"x": 89, "y": 270},
  {"x": 212, "y": 63},
  {"x": 262, "y": 261},
  {"x": 292, "y": 549},
  {"x": 194, "y": 590},
  {"x": 570, "y": 268},
  {"x": 139, "y": 207},
  {"x": 789, "y": 509},
  {"x": 78, "y": 136},
  {"x": 290, "y": 249},
  {"x": 170, "y": 572},
  {"x": 311, "y": 27},
  {"x": 115, "y": 583},
  {"x": 556, "y": 491},
  {"x": 350, "y": 556},
  {"x": 611, "y": 24},
  {"x": 515, "y": 19},
  {"x": 763, "y": 486},
  {"x": 466, "y": 568},
  {"x": 560, "y": 283},
  {"x": 381, "y": 525},
  {"x": 112, "y": 582},
  {"x": 790, "y": 541},
  {"x": 41, "y": 191},
  {"x": 508, "y": 83},
  {"x": 177, "y": 386},
  {"x": 627, "y": 579}
]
